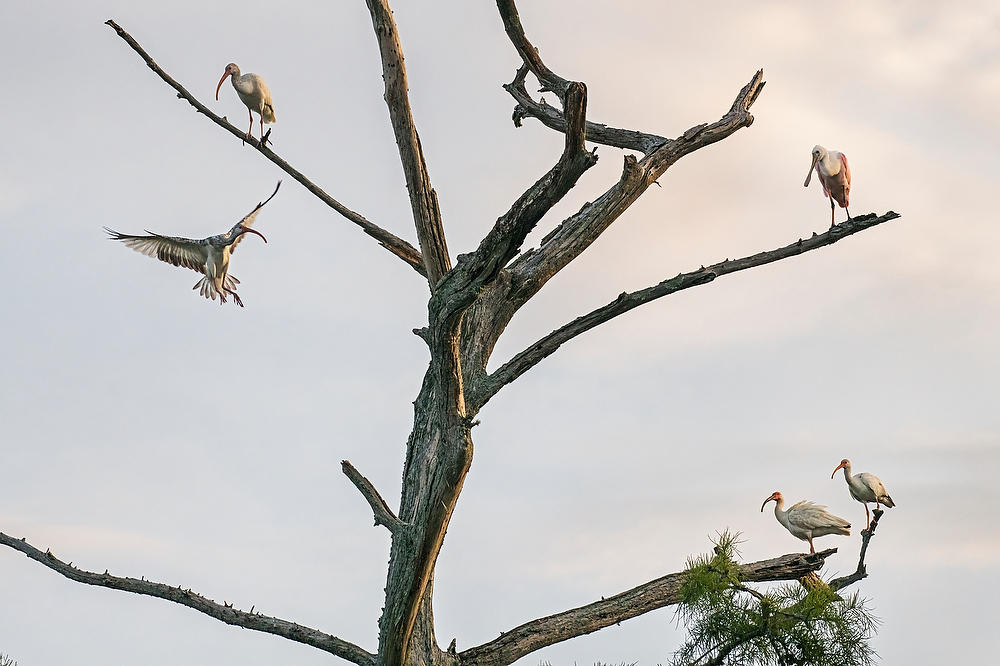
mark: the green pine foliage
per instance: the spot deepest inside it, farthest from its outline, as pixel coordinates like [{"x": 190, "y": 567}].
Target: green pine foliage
[{"x": 731, "y": 623}]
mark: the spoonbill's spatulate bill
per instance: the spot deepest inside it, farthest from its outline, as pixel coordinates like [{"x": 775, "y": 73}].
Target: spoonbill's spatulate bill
[
  {"x": 209, "y": 256},
  {"x": 865, "y": 488},
  {"x": 806, "y": 520},
  {"x": 253, "y": 92},
  {"x": 834, "y": 175}
]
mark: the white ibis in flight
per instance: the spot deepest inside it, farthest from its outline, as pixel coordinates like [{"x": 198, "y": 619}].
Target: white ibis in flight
[
  {"x": 865, "y": 488},
  {"x": 834, "y": 175},
  {"x": 806, "y": 520},
  {"x": 253, "y": 92},
  {"x": 209, "y": 256}
]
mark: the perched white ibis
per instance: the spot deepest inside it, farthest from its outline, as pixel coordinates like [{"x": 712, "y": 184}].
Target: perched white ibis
[
  {"x": 865, "y": 488},
  {"x": 834, "y": 175},
  {"x": 806, "y": 520},
  {"x": 253, "y": 92},
  {"x": 209, "y": 256}
]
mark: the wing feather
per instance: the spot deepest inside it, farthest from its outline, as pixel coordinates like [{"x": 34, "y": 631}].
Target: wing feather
[
  {"x": 250, "y": 217},
  {"x": 183, "y": 252}
]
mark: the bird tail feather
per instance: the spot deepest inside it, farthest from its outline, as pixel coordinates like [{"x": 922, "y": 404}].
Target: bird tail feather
[
  {"x": 886, "y": 500},
  {"x": 268, "y": 113}
]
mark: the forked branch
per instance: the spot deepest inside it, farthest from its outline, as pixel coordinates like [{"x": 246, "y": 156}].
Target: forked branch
[
  {"x": 504, "y": 240},
  {"x": 860, "y": 572},
  {"x": 224, "y": 611},
  {"x": 489, "y": 385},
  {"x": 665, "y": 591},
  {"x": 386, "y": 239},
  {"x": 548, "y": 115}
]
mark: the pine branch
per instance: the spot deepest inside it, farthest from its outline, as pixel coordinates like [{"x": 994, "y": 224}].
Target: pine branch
[
  {"x": 386, "y": 239},
  {"x": 665, "y": 591},
  {"x": 224, "y": 612}
]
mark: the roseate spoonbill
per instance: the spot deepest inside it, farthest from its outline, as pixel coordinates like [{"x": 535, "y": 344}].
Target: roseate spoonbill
[
  {"x": 834, "y": 175},
  {"x": 253, "y": 92},
  {"x": 806, "y": 520},
  {"x": 865, "y": 488},
  {"x": 209, "y": 256}
]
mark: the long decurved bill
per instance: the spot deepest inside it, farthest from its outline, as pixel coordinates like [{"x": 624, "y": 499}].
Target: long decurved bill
[
  {"x": 220, "y": 84},
  {"x": 805, "y": 184},
  {"x": 253, "y": 231},
  {"x": 765, "y": 503},
  {"x": 840, "y": 466}
]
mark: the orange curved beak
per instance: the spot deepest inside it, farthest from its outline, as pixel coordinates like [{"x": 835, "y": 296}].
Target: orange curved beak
[
  {"x": 220, "y": 84},
  {"x": 253, "y": 231},
  {"x": 840, "y": 466}
]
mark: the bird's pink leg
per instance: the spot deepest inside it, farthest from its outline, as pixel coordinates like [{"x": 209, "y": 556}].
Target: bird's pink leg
[
  {"x": 812, "y": 549},
  {"x": 868, "y": 518},
  {"x": 250, "y": 130},
  {"x": 262, "y": 126},
  {"x": 832, "y": 209}
]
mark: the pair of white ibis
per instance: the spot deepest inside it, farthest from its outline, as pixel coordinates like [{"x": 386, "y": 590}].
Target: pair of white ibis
[
  {"x": 834, "y": 175},
  {"x": 253, "y": 92},
  {"x": 806, "y": 520},
  {"x": 209, "y": 256}
]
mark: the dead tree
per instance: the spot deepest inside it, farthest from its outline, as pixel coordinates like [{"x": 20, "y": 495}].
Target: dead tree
[{"x": 470, "y": 304}]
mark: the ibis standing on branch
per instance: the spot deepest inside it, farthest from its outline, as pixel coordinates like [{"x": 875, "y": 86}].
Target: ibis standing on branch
[
  {"x": 806, "y": 520},
  {"x": 253, "y": 92},
  {"x": 209, "y": 256},
  {"x": 834, "y": 175},
  {"x": 865, "y": 488}
]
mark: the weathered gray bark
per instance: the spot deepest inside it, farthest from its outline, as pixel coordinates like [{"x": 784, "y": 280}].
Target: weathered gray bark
[{"x": 470, "y": 305}]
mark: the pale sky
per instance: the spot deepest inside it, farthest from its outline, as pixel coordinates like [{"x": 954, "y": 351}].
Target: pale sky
[{"x": 150, "y": 432}]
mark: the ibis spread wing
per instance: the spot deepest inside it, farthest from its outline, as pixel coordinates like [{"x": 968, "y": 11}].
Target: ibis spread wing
[
  {"x": 249, "y": 218},
  {"x": 183, "y": 252}
]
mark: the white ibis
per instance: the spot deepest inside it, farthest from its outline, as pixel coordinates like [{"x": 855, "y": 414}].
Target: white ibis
[
  {"x": 834, "y": 175},
  {"x": 209, "y": 256},
  {"x": 253, "y": 92},
  {"x": 865, "y": 488},
  {"x": 806, "y": 520}
]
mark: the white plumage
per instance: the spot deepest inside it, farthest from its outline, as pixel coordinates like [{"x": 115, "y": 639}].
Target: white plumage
[
  {"x": 253, "y": 92},
  {"x": 209, "y": 256},
  {"x": 865, "y": 488},
  {"x": 806, "y": 520}
]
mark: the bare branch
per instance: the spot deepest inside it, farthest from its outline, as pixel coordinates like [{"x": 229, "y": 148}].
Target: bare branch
[
  {"x": 488, "y": 386},
  {"x": 389, "y": 241},
  {"x": 860, "y": 572},
  {"x": 554, "y": 118},
  {"x": 224, "y": 612},
  {"x": 534, "y": 268},
  {"x": 383, "y": 514},
  {"x": 665, "y": 591},
  {"x": 550, "y": 116},
  {"x": 423, "y": 199},
  {"x": 508, "y": 233}
]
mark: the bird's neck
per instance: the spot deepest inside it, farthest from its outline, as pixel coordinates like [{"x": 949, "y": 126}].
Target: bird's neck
[{"x": 829, "y": 166}]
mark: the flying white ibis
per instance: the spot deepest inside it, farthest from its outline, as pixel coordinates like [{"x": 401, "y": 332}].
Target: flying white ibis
[
  {"x": 865, "y": 488},
  {"x": 253, "y": 92},
  {"x": 209, "y": 256},
  {"x": 834, "y": 175},
  {"x": 806, "y": 520}
]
